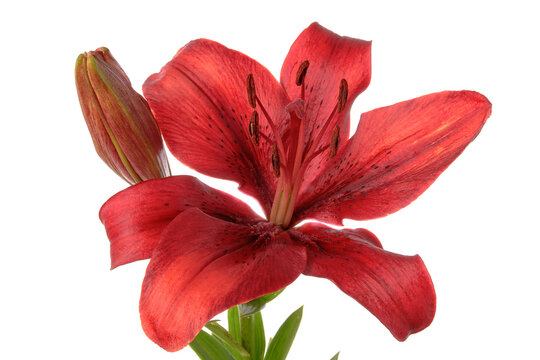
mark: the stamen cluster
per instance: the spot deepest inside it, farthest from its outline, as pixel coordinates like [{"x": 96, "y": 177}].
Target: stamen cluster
[{"x": 289, "y": 163}]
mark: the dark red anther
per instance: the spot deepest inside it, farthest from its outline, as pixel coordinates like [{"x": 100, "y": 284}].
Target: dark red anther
[
  {"x": 275, "y": 161},
  {"x": 252, "y": 95},
  {"x": 301, "y": 73},
  {"x": 254, "y": 133},
  {"x": 343, "y": 94},
  {"x": 334, "y": 142}
]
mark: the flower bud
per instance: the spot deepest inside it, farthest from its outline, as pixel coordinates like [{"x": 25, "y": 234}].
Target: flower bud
[{"x": 123, "y": 129}]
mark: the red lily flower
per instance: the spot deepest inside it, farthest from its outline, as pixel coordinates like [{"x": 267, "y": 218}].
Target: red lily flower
[{"x": 287, "y": 145}]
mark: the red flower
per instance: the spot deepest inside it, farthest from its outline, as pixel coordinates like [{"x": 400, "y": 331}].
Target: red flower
[{"x": 287, "y": 145}]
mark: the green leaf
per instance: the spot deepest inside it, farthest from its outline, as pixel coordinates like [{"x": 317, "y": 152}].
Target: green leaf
[
  {"x": 256, "y": 305},
  {"x": 335, "y": 357},
  {"x": 279, "y": 346},
  {"x": 227, "y": 340},
  {"x": 260, "y": 340},
  {"x": 253, "y": 339},
  {"x": 208, "y": 347},
  {"x": 233, "y": 318}
]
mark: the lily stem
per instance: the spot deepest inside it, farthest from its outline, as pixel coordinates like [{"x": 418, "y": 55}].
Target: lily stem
[
  {"x": 253, "y": 338},
  {"x": 247, "y": 324}
]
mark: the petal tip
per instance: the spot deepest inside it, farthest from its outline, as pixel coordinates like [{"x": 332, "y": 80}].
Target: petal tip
[
  {"x": 314, "y": 24},
  {"x": 426, "y": 287},
  {"x": 167, "y": 341},
  {"x": 478, "y": 97}
]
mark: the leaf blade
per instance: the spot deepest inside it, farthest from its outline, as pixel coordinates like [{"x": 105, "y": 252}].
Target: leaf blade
[
  {"x": 236, "y": 350},
  {"x": 208, "y": 347},
  {"x": 260, "y": 340},
  {"x": 280, "y": 345},
  {"x": 233, "y": 318},
  {"x": 256, "y": 305}
]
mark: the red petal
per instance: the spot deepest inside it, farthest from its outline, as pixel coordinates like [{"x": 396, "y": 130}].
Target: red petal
[
  {"x": 331, "y": 58},
  {"x": 201, "y": 105},
  {"x": 202, "y": 266},
  {"x": 134, "y": 218},
  {"x": 396, "y": 154},
  {"x": 396, "y": 289}
]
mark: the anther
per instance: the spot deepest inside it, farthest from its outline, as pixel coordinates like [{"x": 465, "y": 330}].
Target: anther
[
  {"x": 334, "y": 142},
  {"x": 301, "y": 73},
  {"x": 252, "y": 95},
  {"x": 254, "y": 128},
  {"x": 343, "y": 93},
  {"x": 275, "y": 161}
]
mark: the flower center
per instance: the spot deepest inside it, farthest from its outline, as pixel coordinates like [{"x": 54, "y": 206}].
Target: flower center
[{"x": 291, "y": 159}]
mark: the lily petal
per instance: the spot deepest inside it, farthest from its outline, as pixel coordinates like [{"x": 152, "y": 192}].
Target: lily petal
[
  {"x": 203, "y": 266},
  {"x": 397, "y": 289},
  {"x": 331, "y": 58},
  {"x": 201, "y": 104},
  {"x": 396, "y": 153},
  {"x": 134, "y": 218}
]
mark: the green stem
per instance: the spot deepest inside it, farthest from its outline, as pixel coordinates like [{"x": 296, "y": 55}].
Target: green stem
[
  {"x": 247, "y": 324},
  {"x": 253, "y": 339}
]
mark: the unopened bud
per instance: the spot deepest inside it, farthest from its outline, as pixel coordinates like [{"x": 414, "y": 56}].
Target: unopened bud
[{"x": 123, "y": 129}]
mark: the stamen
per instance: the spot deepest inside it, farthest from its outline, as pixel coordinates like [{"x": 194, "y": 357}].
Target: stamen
[
  {"x": 300, "y": 77},
  {"x": 314, "y": 155},
  {"x": 252, "y": 95},
  {"x": 265, "y": 137},
  {"x": 343, "y": 94},
  {"x": 334, "y": 142},
  {"x": 254, "y": 128},
  {"x": 280, "y": 147},
  {"x": 301, "y": 73},
  {"x": 277, "y": 200},
  {"x": 254, "y": 101},
  {"x": 342, "y": 101},
  {"x": 299, "y": 149},
  {"x": 275, "y": 161},
  {"x": 317, "y": 140}
]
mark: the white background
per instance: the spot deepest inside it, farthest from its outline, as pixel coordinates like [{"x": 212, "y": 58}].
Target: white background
[{"x": 476, "y": 228}]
